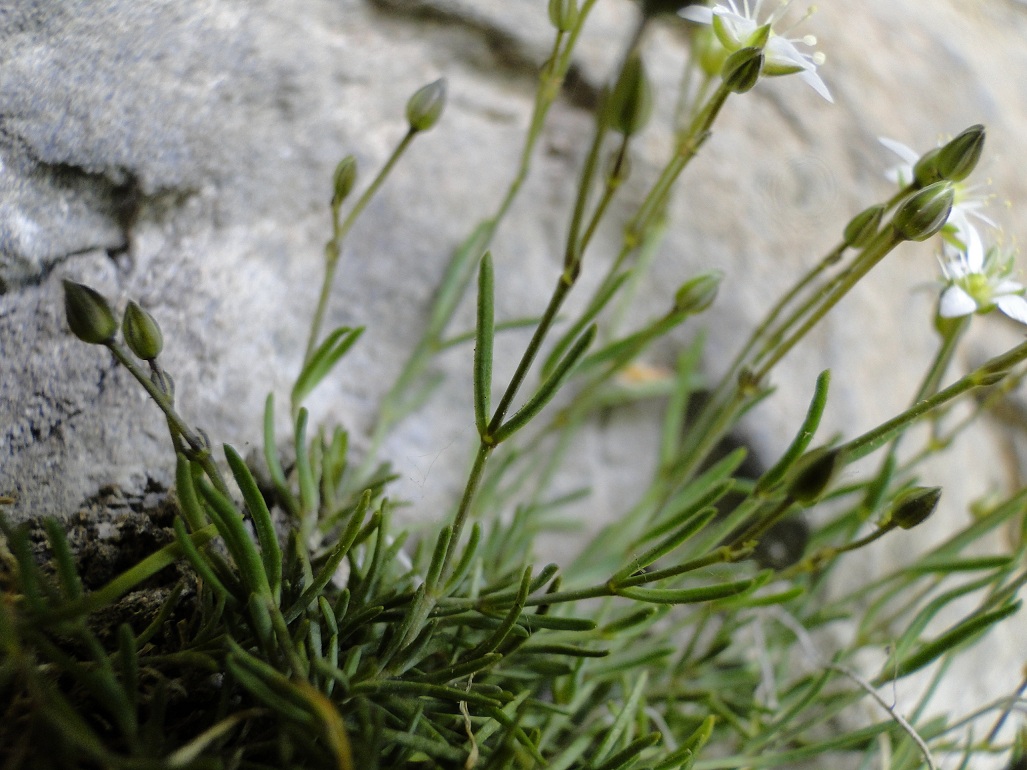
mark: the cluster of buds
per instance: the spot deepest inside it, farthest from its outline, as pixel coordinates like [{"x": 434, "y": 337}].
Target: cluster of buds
[{"x": 92, "y": 320}]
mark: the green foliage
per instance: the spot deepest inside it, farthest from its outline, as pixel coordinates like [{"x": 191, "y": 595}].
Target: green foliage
[{"x": 299, "y": 628}]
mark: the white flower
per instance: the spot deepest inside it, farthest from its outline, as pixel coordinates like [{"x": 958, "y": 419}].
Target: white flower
[
  {"x": 739, "y": 28},
  {"x": 979, "y": 282},
  {"x": 967, "y": 201},
  {"x": 902, "y": 173}
]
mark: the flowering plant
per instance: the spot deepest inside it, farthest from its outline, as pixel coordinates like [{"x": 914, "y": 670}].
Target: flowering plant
[{"x": 301, "y": 629}]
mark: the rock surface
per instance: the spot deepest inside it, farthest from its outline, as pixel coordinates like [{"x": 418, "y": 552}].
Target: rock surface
[{"x": 180, "y": 154}]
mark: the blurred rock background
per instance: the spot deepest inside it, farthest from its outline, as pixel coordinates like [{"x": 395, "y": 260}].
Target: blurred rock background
[{"x": 181, "y": 154}]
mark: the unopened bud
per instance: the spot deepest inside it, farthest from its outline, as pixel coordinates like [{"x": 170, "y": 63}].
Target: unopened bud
[
  {"x": 742, "y": 69},
  {"x": 563, "y": 14},
  {"x": 698, "y": 294},
  {"x": 959, "y": 157},
  {"x": 863, "y": 227},
  {"x": 912, "y": 507},
  {"x": 343, "y": 180},
  {"x": 924, "y": 213},
  {"x": 141, "y": 332},
  {"x": 814, "y": 472},
  {"x": 426, "y": 105},
  {"x": 925, "y": 170},
  {"x": 631, "y": 103},
  {"x": 89, "y": 315}
]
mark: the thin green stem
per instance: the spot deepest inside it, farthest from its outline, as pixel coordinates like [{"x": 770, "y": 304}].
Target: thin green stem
[
  {"x": 563, "y": 287},
  {"x": 199, "y": 449},
  {"x": 333, "y": 249},
  {"x": 875, "y": 251},
  {"x": 985, "y": 375}
]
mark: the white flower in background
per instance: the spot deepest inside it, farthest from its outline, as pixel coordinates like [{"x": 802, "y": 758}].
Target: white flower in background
[
  {"x": 902, "y": 173},
  {"x": 737, "y": 28},
  {"x": 980, "y": 281},
  {"x": 966, "y": 206}
]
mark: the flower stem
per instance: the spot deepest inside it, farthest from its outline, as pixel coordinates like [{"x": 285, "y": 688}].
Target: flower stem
[{"x": 333, "y": 249}]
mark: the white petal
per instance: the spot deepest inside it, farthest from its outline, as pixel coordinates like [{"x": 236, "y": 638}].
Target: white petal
[
  {"x": 906, "y": 153},
  {"x": 1013, "y": 306},
  {"x": 697, "y": 13},
  {"x": 974, "y": 249},
  {"x": 955, "y": 302},
  {"x": 814, "y": 81},
  {"x": 1007, "y": 286}
]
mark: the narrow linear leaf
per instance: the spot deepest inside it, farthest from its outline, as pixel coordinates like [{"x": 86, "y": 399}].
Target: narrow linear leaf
[
  {"x": 203, "y": 568},
  {"x": 631, "y": 753},
  {"x": 600, "y": 301},
  {"x": 304, "y": 470},
  {"x": 803, "y": 438},
  {"x": 626, "y": 716},
  {"x": 321, "y": 363},
  {"x": 547, "y": 390},
  {"x": 274, "y": 465},
  {"x": 466, "y": 559},
  {"x": 686, "y": 595},
  {"x": 947, "y": 641},
  {"x": 462, "y": 670},
  {"x": 237, "y": 539},
  {"x": 267, "y": 537},
  {"x": 424, "y": 689},
  {"x": 570, "y": 650},
  {"x": 692, "y": 525},
  {"x": 188, "y": 502},
  {"x": 313, "y": 592},
  {"x": 485, "y": 333}
]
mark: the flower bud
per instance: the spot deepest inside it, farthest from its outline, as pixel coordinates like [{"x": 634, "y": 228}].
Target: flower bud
[
  {"x": 563, "y": 14},
  {"x": 924, "y": 213},
  {"x": 631, "y": 103},
  {"x": 698, "y": 294},
  {"x": 925, "y": 170},
  {"x": 959, "y": 157},
  {"x": 863, "y": 227},
  {"x": 343, "y": 180},
  {"x": 814, "y": 472},
  {"x": 426, "y": 105},
  {"x": 89, "y": 315},
  {"x": 913, "y": 506},
  {"x": 742, "y": 69},
  {"x": 141, "y": 332}
]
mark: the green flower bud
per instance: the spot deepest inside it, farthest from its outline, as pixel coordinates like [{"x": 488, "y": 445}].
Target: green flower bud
[
  {"x": 343, "y": 180},
  {"x": 141, "y": 332},
  {"x": 563, "y": 14},
  {"x": 925, "y": 171},
  {"x": 89, "y": 315},
  {"x": 632, "y": 101},
  {"x": 426, "y": 105},
  {"x": 814, "y": 472},
  {"x": 742, "y": 69},
  {"x": 912, "y": 507},
  {"x": 863, "y": 227},
  {"x": 924, "y": 213},
  {"x": 698, "y": 294},
  {"x": 959, "y": 157}
]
